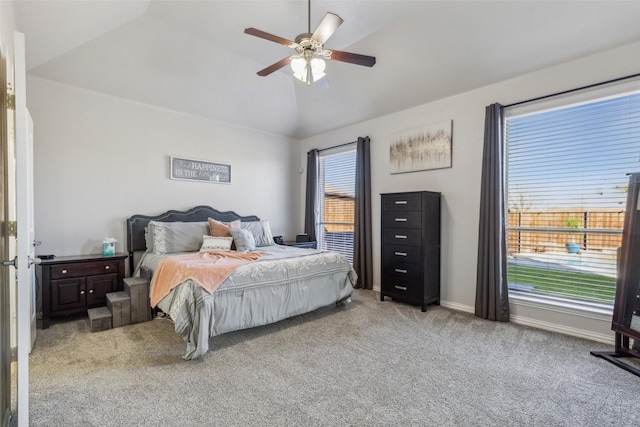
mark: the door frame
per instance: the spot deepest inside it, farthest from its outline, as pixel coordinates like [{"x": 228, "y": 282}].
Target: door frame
[{"x": 5, "y": 319}]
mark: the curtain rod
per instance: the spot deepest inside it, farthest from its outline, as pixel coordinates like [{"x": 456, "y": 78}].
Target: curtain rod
[
  {"x": 571, "y": 90},
  {"x": 337, "y": 146}
]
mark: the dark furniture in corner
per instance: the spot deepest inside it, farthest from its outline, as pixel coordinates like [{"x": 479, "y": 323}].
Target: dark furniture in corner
[
  {"x": 411, "y": 247},
  {"x": 73, "y": 284},
  {"x": 625, "y": 321}
]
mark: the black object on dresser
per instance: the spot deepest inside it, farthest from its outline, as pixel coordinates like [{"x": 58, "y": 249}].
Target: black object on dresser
[
  {"x": 72, "y": 284},
  {"x": 411, "y": 247}
]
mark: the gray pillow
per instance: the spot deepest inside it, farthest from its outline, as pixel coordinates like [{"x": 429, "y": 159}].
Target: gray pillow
[
  {"x": 261, "y": 231},
  {"x": 171, "y": 237},
  {"x": 243, "y": 239}
]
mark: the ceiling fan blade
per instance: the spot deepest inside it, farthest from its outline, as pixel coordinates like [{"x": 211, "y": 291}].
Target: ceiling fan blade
[
  {"x": 352, "y": 58},
  {"x": 259, "y": 33},
  {"x": 327, "y": 27},
  {"x": 275, "y": 67}
]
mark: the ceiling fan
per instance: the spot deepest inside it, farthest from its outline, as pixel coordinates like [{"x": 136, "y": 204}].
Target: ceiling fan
[{"x": 308, "y": 62}]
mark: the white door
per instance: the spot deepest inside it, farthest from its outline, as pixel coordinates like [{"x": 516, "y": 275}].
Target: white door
[{"x": 24, "y": 194}]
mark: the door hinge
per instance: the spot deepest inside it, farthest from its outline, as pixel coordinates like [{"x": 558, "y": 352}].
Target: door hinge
[
  {"x": 11, "y": 101},
  {"x": 12, "y": 228}
]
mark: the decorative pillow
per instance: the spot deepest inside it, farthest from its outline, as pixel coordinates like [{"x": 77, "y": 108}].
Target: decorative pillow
[
  {"x": 170, "y": 237},
  {"x": 261, "y": 231},
  {"x": 215, "y": 244},
  {"x": 243, "y": 239},
  {"x": 221, "y": 229}
]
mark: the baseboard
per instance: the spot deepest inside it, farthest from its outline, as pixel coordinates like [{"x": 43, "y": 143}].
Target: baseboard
[
  {"x": 456, "y": 306},
  {"x": 540, "y": 324},
  {"x": 562, "y": 329}
]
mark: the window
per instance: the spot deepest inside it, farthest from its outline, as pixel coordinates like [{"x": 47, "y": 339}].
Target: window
[
  {"x": 566, "y": 183},
  {"x": 336, "y": 189}
]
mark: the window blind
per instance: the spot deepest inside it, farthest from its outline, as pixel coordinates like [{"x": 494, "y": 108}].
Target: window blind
[
  {"x": 337, "y": 205},
  {"x": 566, "y": 182}
]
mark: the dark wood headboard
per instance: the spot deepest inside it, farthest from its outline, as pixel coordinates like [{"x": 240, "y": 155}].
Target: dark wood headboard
[{"x": 137, "y": 223}]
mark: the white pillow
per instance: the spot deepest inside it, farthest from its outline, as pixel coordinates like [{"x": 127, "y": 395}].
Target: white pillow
[
  {"x": 261, "y": 231},
  {"x": 215, "y": 244},
  {"x": 243, "y": 239}
]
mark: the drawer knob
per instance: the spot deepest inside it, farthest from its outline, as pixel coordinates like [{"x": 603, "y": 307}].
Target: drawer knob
[
  {"x": 400, "y": 236},
  {"x": 106, "y": 267},
  {"x": 401, "y": 253},
  {"x": 90, "y": 291},
  {"x": 399, "y": 270},
  {"x": 402, "y": 288},
  {"x": 401, "y": 202},
  {"x": 81, "y": 292},
  {"x": 401, "y": 219},
  {"x": 64, "y": 271}
]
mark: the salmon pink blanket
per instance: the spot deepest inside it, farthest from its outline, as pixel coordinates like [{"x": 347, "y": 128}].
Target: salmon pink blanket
[{"x": 208, "y": 270}]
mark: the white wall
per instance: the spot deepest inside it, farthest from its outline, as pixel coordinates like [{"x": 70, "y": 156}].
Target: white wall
[
  {"x": 100, "y": 159},
  {"x": 460, "y": 185}
]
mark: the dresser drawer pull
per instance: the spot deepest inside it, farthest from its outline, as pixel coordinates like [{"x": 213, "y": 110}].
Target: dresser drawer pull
[
  {"x": 106, "y": 267},
  {"x": 401, "y": 219},
  {"x": 64, "y": 271},
  {"x": 81, "y": 292},
  {"x": 400, "y": 236},
  {"x": 401, "y": 202},
  {"x": 90, "y": 291},
  {"x": 399, "y": 270},
  {"x": 402, "y": 288},
  {"x": 401, "y": 253}
]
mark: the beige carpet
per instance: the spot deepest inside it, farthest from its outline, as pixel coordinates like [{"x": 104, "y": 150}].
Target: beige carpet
[{"x": 369, "y": 363}]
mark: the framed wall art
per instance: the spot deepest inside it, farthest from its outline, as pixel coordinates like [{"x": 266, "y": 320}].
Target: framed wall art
[
  {"x": 421, "y": 149},
  {"x": 199, "y": 170}
]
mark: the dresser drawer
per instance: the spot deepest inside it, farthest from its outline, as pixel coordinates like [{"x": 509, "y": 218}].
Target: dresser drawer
[
  {"x": 402, "y": 272},
  {"x": 398, "y": 219},
  {"x": 393, "y": 254},
  {"x": 402, "y": 202},
  {"x": 401, "y": 236},
  {"x": 61, "y": 271},
  {"x": 401, "y": 289}
]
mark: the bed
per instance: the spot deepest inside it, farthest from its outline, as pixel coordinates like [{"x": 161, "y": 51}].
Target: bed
[{"x": 285, "y": 281}]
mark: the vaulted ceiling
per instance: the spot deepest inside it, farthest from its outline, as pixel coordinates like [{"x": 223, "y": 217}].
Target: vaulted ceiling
[{"x": 193, "y": 57}]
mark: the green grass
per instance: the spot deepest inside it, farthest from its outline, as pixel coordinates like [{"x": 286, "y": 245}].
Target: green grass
[{"x": 576, "y": 284}]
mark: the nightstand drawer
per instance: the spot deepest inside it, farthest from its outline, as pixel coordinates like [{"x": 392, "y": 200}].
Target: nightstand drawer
[
  {"x": 402, "y": 202},
  {"x": 393, "y": 254},
  {"x": 408, "y": 219},
  {"x": 401, "y": 236},
  {"x": 84, "y": 269}
]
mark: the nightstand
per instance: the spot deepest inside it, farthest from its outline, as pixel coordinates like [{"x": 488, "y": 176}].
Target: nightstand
[
  {"x": 73, "y": 284},
  {"x": 309, "y": 245}
]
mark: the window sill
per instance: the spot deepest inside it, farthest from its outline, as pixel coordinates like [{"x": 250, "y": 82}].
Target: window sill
[{"x": 562, "y": 305}]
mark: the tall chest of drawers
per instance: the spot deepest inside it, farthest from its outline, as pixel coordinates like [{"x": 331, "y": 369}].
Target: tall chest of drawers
[{"x": 411, "y": 247}]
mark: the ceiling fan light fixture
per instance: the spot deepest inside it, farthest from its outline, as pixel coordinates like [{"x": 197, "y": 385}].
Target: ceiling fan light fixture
[
  {"x": 308, "y": 63},
  {"x": 299, "y": 67},
  {"x": 308, "y": 70},
  {"x": 317, "y": 68}
]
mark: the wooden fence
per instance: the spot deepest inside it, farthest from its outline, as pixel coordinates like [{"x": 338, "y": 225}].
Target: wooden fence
[
  {"x": 338, "y": 212},
  {"x": 597, "y": 230}
]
